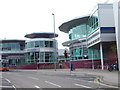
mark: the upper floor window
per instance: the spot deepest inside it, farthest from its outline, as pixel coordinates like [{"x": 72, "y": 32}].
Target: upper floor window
[
  {"x": 92, "y": 22},
  {"x": 11, "y": 46},
  {"x": 33, "y": 44},
  {"x": 78, "y": 32}
]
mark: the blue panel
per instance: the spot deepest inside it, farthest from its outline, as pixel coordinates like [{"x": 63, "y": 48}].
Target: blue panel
[{"x": 107, "y": 28}]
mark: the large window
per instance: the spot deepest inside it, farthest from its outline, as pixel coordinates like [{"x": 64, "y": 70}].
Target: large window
[
  {"x": 84, "y": 53},
  {"x": 11, "y": 46},
  {"x": 85, "y": 29},
  {"x": 94, "y": 53},
  {"x": 78, "y": 32},
  {"x": 76, "y": 53},
  {"x": 93, "y": 22},
  {"x": 40, "y": 57},
  {"x": 33, "y": 44}
]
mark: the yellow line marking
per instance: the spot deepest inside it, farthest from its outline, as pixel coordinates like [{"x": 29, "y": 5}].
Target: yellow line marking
[{"x": 105, "y": 85}]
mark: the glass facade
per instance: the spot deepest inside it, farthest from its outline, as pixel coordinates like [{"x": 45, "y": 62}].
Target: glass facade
[
  {"x": 34, "y": 44},
  {"x": 94, "y": 53},
  {"x": 78, "y": 32},
  {"x": 33, "y": 57},
  {"x": 92, "y": 24},
  {"x": 37, "y": 49},
  {"x": 85, "y": 29},
  {"x": 11, "y": 46},
  {"x": 76, "y": 53},
  {"x": 16, "y": 61},
  {"x": 41, "y": 56},
  {"x": 81, "y": 31},
  {"x": 84, "y": 53},
  {"x": 11, "y": 56}
]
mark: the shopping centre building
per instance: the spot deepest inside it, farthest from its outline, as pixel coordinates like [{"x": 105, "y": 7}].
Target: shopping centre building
[
  {"x": 93, "y": 38},
  {"x": 117, "y": 26},
  {"x": 39, "y": 48},
  {"x": 12, "y": 51},
  {"x": 93, "y": 43}
]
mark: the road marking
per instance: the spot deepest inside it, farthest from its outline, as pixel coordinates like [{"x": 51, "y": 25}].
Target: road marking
[
  {"x": 8, "y": 80},
  {"x": 53, "y": 84},
  {"x": 82, "y": 86},
  {"x": 14, "y": 87},
  {"x": 37, "y": 86},
  {"x": 6, "y": 86},
  {"x": 33, "y": 78},
  {"x": 105, "y": 84}
]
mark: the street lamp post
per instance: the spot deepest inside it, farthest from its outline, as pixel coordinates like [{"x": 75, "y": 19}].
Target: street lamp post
[{"x": 54, "y": 38}]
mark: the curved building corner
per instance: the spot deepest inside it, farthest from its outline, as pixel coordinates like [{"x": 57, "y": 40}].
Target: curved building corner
[
  {"x": 92, "y": 38},
  {"x": 41, "y": 48}
]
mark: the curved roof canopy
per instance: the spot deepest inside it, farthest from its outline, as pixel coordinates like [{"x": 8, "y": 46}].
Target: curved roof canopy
[
  {"x": 65, "y": 27},
  {"x": 41, "y": 35},
  {"x": 70, "y": 42}
]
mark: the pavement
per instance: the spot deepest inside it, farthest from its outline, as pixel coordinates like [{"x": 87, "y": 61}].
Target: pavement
[{"x": 103, "y": 77}]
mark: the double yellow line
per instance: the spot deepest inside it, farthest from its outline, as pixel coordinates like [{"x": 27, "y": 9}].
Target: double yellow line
[{"x": 98, "y": 82}]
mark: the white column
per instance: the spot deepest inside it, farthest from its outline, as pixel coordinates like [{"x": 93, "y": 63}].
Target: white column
[
  {"x": 39, "y": 55},
  {"x": 101, "y": 56},
  {"x": 0, "y": 56},
  {"x": 93, "y": 59},
  {"x": 116, "y": 9}
]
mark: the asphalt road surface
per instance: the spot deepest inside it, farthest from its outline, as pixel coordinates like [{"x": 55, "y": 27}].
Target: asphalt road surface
[{"x": 45, "y": 79}]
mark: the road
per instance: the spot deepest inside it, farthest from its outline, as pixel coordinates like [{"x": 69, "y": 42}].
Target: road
[{"x": 42, "y": 79}]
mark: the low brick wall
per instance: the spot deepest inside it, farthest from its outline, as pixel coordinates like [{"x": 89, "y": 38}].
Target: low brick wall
[
  {"x": 29, "y": 66},
  {"x": 65, "y": 65}
]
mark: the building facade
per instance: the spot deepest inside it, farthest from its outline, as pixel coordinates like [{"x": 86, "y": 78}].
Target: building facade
[
  {"x": 93, "y": 37},
  {"x": 41, "y": 48},
  {"x": 116, "y": 9},
  {"x": 12, "y": 51}
]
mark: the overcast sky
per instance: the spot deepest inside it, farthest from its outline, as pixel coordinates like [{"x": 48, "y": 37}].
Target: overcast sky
[{"x": 20, "y": 17}]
